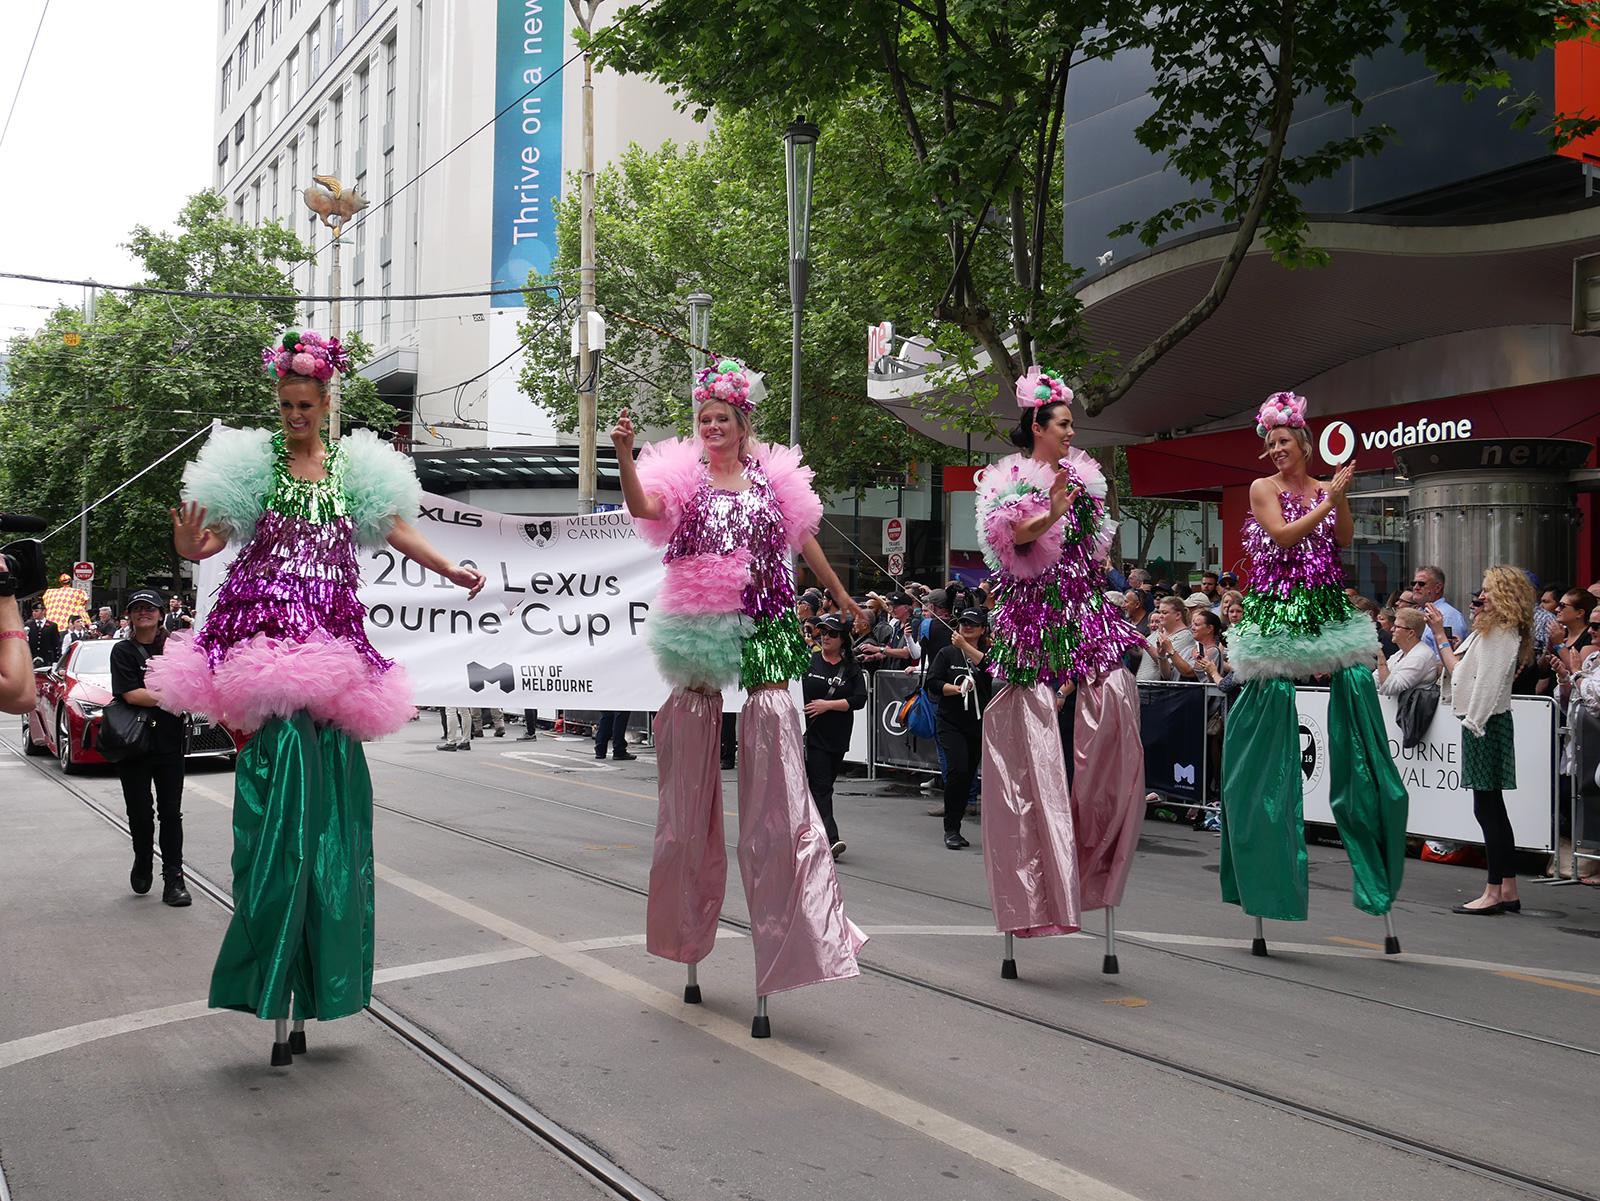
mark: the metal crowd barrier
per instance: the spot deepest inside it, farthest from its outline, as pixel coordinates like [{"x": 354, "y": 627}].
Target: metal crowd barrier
[{"x": 1583, "y": 795}]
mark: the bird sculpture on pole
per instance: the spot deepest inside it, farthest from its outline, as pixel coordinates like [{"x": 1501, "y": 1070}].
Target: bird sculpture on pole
[{"x": 332, "y": 202}]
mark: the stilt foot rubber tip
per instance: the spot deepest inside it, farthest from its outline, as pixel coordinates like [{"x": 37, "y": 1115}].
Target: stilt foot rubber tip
[
  {"x": 1391, "y": 945},
  {"x": 297, "y": 1042},
  {"x": 281, "y": 1055},
  {"x": 691, "y": 994},
  {"x": 1008, "y": 969},
  {"x": 1108, "y": 966},
  {"x": 761, "y": 1027},
  {"x": 1258, "y": 947}
]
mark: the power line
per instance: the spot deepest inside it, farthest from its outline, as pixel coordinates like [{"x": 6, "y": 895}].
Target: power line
[
  {"x": 372, "y": 212},
  {"x": 265, "y": 297},
  {"x": 15, "y": 96}
]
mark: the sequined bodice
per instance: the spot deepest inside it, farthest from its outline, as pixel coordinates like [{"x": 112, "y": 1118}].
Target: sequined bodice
[
  {"x": 719, "y": 522},
  {"x": 1310, "y": 562}
]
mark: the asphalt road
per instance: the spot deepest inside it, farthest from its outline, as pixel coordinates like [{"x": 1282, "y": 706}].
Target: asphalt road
[{"x": 510, "y": 916}]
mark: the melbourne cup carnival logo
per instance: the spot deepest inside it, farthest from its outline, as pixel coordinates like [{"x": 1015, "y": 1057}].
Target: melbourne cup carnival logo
[
  {"x": 1313, "y": 750},
  {"x": 538, "y": 533}
]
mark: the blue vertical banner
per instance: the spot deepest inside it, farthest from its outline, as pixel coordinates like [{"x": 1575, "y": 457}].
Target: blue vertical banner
[{"x": 530, "y": 37}]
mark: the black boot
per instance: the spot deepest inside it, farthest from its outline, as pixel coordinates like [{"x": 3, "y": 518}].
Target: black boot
[
  {"x": 141, "y": 877},
  {"x": 175, "y": 894}
]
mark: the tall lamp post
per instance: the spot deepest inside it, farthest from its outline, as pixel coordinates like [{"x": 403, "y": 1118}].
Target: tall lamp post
[
  {"x": 799, "y": 159},
  {"x": 334, "y": 204},
  {"x": 699, "y": 329}
]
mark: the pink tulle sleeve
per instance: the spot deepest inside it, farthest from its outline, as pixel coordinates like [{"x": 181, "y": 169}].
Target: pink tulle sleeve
[
  {"x": 791, "y": 484},
  {"x": 669, "y": 469},
  {"x": 998, "y": 528}
]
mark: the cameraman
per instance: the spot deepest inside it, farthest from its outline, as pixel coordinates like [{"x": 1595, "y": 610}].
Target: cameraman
[{"x": 16, "y": 659}]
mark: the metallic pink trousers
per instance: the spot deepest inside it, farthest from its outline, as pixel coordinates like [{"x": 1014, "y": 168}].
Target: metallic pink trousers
[
  {"x": 1107, "y": 786},
  {"x": 798, "y": 927},
  {"x": 1028, "y": 845}
]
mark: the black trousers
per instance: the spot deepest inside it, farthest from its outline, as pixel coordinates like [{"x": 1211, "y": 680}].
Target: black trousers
[
  {"x": 730, "y": 737},
  {"x": 613, "y": 728},
  {"x": 963, "y": 756},
  {"x": 1499, "y": 843},
  {"x": 822, "y": 769},
  {"x": 165, "y": 772}
]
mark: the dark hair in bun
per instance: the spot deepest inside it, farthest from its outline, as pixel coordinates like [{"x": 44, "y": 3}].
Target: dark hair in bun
[{"x": 1022, "y": 436}]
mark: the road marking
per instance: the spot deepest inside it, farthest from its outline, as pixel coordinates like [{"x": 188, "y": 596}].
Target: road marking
[
  {"x": 1000, "y": 1153},
  {"x": 20, "y": 1050},
  {"x": 544, "y": 775},
  {"x": 1527, "y": 979},
  {"x": 558, "y": 762},
  {"x": 1129, "y": 1002},
  {"x": 1355, "y": 942}
]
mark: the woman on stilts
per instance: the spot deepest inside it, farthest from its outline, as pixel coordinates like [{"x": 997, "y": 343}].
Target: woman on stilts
[
  {"x": 730, "y": 511},
  {"x": 1042, "y": 522},
  {"x": 1298, "y": 622},
  {"x": 284, "y": 655}
]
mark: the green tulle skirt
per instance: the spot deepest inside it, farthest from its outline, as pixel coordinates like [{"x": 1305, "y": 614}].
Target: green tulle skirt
[{"x": 302, "y": 876}]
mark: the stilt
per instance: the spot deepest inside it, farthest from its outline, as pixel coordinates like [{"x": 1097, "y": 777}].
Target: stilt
[
  {"x": 1391, "y": 940},
  {"x": 691, "y": 987},
  {"x": 281, "y": 1055},
  {"x": 297, "y": 1037},
  {"x": 1008, "y": 965},
  {"x": 761, "y": 1027},
  {"x": 1259, "y": 945},
  {"x": 1108, "y": 966}
]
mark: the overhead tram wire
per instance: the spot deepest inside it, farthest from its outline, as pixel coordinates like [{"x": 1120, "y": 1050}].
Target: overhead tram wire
[
  {"x": 373, "y": 211},
  {"x": 280, "y": 298},
  {"x": 26, "y": 63}
]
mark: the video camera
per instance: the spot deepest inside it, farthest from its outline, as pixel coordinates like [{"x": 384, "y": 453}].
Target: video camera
[{"x": 21, "y": 562}]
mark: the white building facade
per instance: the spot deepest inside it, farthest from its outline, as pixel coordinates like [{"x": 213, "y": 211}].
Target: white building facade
[{"x": 391, "y": 97}]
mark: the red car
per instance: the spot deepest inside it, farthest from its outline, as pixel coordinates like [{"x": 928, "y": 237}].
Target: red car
[{"x": 66, "y": 717}]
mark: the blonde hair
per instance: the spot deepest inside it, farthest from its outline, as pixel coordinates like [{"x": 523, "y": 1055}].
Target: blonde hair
[
  {"x": 740, "y": 418},
  {"x": 1510, "y": 606},
  {"x": 1301, "y": 435},
  {"x": 1411, "y": 619}
]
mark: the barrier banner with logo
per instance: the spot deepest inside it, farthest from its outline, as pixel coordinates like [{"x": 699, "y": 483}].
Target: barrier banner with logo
[
  {"x": 1431, "y": 771},
  {"x": 561, "y": 622},
  {"x": 1172, "y": 723},
  {"x": 893, "y": 745}
]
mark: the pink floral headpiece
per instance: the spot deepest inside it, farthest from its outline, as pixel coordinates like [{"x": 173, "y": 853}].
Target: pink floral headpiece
[
  {"x": 1281, "y": 409},
  {"x": 1039, "y": 388},
  {"x": 729, "y": 380},
  {"x": 307, "y": 353}
]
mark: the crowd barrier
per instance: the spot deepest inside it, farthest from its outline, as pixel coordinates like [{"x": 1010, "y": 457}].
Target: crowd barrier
[
  {"x": 1584, "y": 788},
  {"x": 1174, "y": 720}
]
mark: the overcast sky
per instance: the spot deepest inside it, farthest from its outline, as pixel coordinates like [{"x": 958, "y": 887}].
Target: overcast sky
[{"x": 112, "y": 129}]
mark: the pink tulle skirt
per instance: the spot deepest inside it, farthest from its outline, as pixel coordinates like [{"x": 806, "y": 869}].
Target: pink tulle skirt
[{"x": 262, "y": 678}]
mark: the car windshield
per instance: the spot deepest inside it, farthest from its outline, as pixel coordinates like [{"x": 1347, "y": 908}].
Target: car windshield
[{"x": 93, "y": 658}]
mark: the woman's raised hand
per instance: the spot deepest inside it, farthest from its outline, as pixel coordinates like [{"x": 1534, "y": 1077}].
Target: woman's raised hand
[
  {"x": 469, "y": 578},
  {"x": 1062, "y": 494},
  {"x": 622, "y": 434},
  {"x": 1341, "y": 482},
  {"x": 189, "y": 535}
]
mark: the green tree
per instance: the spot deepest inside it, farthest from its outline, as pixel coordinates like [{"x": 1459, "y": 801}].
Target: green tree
[
  {"x": 144, "y": 373},
  {"x": 711, "y": 217},
  {"x": 978, "y": 91}
]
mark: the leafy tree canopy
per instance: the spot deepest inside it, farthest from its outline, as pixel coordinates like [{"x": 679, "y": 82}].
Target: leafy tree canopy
[{"x": 146, "y": 372}]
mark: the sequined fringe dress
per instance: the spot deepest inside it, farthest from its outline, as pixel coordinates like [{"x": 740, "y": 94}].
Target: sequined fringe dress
[
  {"x": 284, "y": 655},
  {"x": 1298, "y": 623},
  {"x": 725, "y": 616}
]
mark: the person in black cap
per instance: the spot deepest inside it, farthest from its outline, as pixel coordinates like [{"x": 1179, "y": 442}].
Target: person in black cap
[
  {"x": 834, "y": 689},
  {"x": 44, "y": 636},
  {"x": 960, "y": 679},
  {"x": 901, "y": 648},
  {"x": 161, "y": 764}
]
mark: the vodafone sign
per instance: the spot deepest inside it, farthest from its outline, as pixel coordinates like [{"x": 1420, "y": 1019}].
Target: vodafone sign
[{"x": 1340, "y": 441}]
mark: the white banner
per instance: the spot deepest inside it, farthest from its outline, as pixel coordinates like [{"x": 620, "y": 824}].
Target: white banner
[
  {"x": 560, "y": 624},
  {"x": 1431, "y": 771}
]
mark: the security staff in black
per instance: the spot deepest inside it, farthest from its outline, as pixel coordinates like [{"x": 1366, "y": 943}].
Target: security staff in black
[
  {"x": 161, "y": 765},
  {"x": 959, "y": 677},
  {"x": 833, "y": 689},
  {"x": 44, "y": 637}
]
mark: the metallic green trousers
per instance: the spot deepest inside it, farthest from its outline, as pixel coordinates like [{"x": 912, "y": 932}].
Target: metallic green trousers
[
  {"x": 302, "y": 876},
  {"x": 1263, "y": 826}
]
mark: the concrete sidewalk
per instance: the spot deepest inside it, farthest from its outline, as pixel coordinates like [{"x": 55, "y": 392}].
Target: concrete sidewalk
[{"x": 117, "y": 1082}]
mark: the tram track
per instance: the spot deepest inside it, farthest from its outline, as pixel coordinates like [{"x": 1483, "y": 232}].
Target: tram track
[
  {"x": 977, "y": 907},
  {"x": 586, "y": 1159},
  {"x": 1343, "y": 1123},
  {"x": 578, "y": 1153}
]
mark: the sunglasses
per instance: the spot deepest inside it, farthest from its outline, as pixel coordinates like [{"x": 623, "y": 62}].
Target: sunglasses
[{"x": 1594, "y": 625}]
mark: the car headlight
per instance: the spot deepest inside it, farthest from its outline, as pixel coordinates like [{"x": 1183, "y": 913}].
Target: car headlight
[{"x": 88, "y": 710}]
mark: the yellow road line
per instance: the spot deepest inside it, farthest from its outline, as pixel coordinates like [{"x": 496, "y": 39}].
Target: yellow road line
[
  {"x": 1570, "y": 987},
  {"x": 1356, "y": 942}
]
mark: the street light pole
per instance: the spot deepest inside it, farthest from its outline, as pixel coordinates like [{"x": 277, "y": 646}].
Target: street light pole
[
  {"x": 588, "y": 365},
  {"x": 334, "y": 204},
  {"x": 799, "y": 159},
  {"x": 699, "y": 330},
  {"x": 334, "y": 425}
]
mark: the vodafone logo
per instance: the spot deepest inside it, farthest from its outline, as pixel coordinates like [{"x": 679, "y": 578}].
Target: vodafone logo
[{"x": 1337, "y": 444}]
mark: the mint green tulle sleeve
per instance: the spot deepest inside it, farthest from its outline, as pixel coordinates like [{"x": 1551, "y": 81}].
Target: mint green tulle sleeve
[
  {"x": 230, "y": 479},
  {"x": 379, "y": 484}
]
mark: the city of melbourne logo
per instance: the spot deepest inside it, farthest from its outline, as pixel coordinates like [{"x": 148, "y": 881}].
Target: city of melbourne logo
[{"x": 480, "y": 677}]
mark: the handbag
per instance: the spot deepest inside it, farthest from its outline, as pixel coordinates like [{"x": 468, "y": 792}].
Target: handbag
[
  {"x": 917, "y": 714},
  {"x": 125, "y": 731}
]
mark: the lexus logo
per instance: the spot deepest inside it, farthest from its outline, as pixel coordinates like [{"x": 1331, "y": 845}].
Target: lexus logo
[{"x": 479, "y": 676}]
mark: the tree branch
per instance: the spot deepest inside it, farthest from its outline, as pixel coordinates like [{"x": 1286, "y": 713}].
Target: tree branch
[{"x": 1283, "y": 112}]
